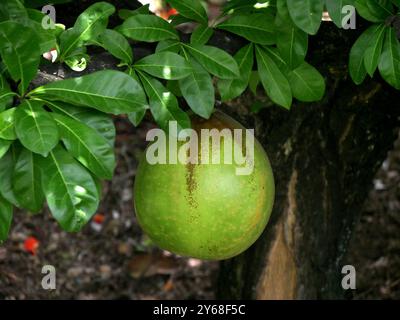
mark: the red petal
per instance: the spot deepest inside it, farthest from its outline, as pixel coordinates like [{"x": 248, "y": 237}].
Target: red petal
[
  {"x": 173, "y": 12},
  {"x": 99, "y": 218},
  {"x": 31, "y": 245}
]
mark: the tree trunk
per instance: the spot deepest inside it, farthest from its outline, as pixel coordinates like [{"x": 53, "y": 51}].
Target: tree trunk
[{"x": 324, "y": 157}]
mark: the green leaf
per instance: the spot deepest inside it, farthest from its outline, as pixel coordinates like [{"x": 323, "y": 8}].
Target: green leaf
[
  {"x": 108, "y": 91},
  {"x": 357, "y": 53},
  {"x": 69, "y": 42},
  {"x": 164, "y": 65},
  {"x": 292, "y": 44},
  {"x": 276, "y": 56},
  {"x": 136, "y": 117},
  {"x": 117, "y": 45},
  {"x": 198, "y": 90},
  {"x": 273, "y": 80},
  {"x": 35, "y": 128},
  {"x": 232, "y": 88},
  {"x": 77, "y": 63},
  {"x": 335, "y": 7},
  {"x": 47, "y": 37},
  {"x": 374, "y": 50},
  {"x": 6, "y": 174},
  {"x": 4, "y": 146},
  {"x": 201, "y": 35},
  {"x": 163, "y": 104},
  {"x": 389, "y": 62},
  {"x": 254, "y": 82},
  {"x": 81, "y": 51},
  {"x": 214, "y": 60},
  {"x": 148, "y": 28},
  {"x": 6, "y": 95},
  {"x": 132, "y": 73},
  {"x": 6, "y": 214},
  {"x": 13, "y": 10},
  {"x": 257, "y": 28},
  {"x": 70, "y": 190},
  {"x": 283, "y": 11},
  {"x": 307, "y": 83},
  {"x": 369, "y": 10},
  {"x": 177, "y": 20},
  {"x": 99, "y": 186},
  {"x": 78, "y": 59},
  {"x": 125, "y": 14},
  {"x": 89, "y": 25},
  {"x": 169, "y": 45},
  {"x": 20, "y": 52},
  {"x": 363, "y": 11},
  {"x": 191, "y": 9},
  {"x": 101, "y": 122},
  {"x": 380, "y": 9},
  {"x": 7, "y": 128},
  {"x": 173, "y": 86},
  {"x": 87, "y": 146},
  {"x": 27, "y": 183},
  {"x": 306, "y": 14}
]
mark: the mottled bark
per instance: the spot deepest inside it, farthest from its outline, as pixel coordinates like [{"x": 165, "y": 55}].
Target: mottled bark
[{"x": 324, "y": 157}]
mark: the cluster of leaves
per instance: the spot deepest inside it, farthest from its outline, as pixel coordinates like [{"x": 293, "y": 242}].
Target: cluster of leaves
[
  {"x": 378, "y": 47},
  {"x": 57, "y": 140}
]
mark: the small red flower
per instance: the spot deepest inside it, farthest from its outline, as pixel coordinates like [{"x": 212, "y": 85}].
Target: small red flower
[
  {"x": 31, "y": 245},
  {"x": 173, "y": 12},
  {"x": 99, "y": 218},
  {"x": 166, "y": 14}
]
